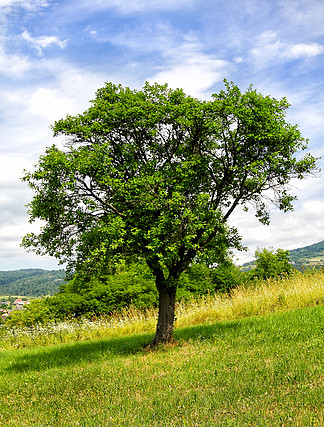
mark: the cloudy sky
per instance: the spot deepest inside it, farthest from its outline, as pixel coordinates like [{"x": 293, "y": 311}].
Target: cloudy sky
[{"x": 54, "y": 54}]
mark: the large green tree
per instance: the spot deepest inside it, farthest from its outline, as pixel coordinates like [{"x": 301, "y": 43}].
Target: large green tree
[{"x": 157, "y": 173}]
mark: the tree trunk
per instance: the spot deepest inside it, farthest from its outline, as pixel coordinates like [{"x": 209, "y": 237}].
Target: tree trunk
[{"x": 164, "y": 328}]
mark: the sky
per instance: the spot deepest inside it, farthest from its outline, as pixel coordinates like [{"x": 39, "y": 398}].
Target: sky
[{"x": 55, "y": 54}]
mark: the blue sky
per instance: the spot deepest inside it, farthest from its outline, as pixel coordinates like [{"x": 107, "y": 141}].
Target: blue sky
[{"x": 55, "y": 54}]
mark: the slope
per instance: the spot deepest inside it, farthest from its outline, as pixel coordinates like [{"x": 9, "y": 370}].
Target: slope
[{"x": 30, "y": 282}]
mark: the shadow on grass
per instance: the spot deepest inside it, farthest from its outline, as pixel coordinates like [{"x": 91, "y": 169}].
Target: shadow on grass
[{"x": 41, "y": 359}]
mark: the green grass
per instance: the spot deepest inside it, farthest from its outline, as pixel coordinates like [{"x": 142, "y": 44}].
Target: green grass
[
  {"x": 252, "y": 359},
  {"x": 254, "y": 371}
]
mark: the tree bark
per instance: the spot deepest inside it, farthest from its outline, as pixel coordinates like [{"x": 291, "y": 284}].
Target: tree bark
[{"x": 165, "y": 324}]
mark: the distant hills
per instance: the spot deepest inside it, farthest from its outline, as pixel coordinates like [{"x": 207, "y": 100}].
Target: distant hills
[
  {"x": 30, "y": 282},
  {"x": 306, "y": 256},
  {"x": 38, "y": 282}
]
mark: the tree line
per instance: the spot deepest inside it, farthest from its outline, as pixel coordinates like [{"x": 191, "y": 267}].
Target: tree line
[{"x": 133, "y": 284}]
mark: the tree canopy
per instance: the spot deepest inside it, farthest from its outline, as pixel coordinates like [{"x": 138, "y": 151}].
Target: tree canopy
[
  {"x": 270, "y": 263},
  {"x": 156, "y": 173}
]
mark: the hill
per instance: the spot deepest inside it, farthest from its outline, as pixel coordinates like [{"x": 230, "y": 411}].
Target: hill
[
  {"x": 30, "y": 282},
  {"x": 306, "y": 256},
  {"x": 261, "y": 371}
]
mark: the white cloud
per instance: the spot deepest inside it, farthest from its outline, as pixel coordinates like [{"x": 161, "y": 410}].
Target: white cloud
[
  {"x": 188, "y": 67},
  {"x": 13, "y": 256},
  {"x": 50, "y": 103},
  {"x": 26, "y": 4},
  {"x": 28, "y": 111},
  {"x": 302, "y": 50},
  {"x": 269, "y": 48},
  {"x": 13, "y": 65},
  {"x": 193, "y": 74},
  {"x": 40, "y": 43}
]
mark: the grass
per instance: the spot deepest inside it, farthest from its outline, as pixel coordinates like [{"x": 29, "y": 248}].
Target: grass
[
  {"x": 240, "y": 370},
  {"x": 262, "y": 371},
  {"x": 300, "y": 290}
]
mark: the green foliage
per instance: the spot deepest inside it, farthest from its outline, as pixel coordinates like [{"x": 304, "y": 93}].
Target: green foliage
[
  {"x": 132, "y": 285},
  {"x": 226, "y": 277},
  {"x": 271, "y": 264},
  {"x": 37, "y": 313},
  {"x": 196, "y": 280},
  {"x": 200, "y": 279},
  {"x": 157, "y": 173}
]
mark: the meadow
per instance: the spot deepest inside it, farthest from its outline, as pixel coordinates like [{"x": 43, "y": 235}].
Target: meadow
[{"x": 254, "y": 358}]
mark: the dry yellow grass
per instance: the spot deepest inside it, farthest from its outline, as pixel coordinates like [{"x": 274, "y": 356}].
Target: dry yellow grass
[
  {"x": 289, "y": 293},
  {"x": 297, "y": 291}
]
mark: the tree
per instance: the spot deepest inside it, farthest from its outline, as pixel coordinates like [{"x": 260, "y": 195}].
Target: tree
[
  {"x": 157, "y": 173},
  {"x": 270, "y": 263}
]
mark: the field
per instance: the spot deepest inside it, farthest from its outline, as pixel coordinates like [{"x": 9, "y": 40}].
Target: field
[{"x": 225, "y": 367}]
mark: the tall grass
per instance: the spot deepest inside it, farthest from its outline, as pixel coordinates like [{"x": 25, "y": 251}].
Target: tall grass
[
  {"x": 289, "y": 293},
  {"x": 286, "y": 293}
]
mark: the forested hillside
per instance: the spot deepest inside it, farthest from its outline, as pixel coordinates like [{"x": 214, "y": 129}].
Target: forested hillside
[
  {"x": 306, "y": 256},
  {"x": 30, "y": 282}
]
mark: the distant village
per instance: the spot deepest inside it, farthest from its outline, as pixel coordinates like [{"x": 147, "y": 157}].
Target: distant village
[{"x": 18, "y": 304}]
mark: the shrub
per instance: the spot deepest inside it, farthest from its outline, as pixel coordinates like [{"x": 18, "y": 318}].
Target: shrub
[
  {"x": 37, "y": 312},
  {"x": 226, "y": 277},
  {"x": 130, "y": 285},
  {"x": 271, "y": 264},
  {"x": 201, "y": 279}
]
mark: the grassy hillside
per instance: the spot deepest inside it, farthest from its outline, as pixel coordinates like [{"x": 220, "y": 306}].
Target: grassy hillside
[
  {"x": 30, "y": 282},
  {"x": 252, "y": 359},
  {"x": 265, "y": 371}
]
